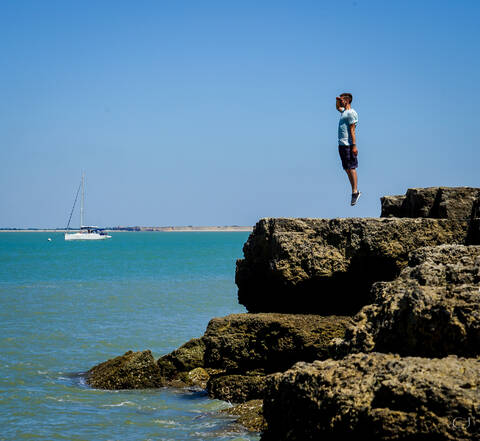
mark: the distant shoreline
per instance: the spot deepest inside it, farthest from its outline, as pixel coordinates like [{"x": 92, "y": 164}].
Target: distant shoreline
[{"x": 135, "y": 229}]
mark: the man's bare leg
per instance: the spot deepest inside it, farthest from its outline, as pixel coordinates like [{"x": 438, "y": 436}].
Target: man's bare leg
[{"x": 352, "y": 176}]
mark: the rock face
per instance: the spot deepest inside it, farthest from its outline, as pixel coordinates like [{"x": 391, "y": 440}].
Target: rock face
[
  {"x": 327, "y": 266},
  {"x": 432, "y": 309},
  {"x": 237, "y": 388},
  {"x": 375, "y": 397},
  {"x": 269, "y": 342},
  {"x": 433, "y": 202},
  {"x": 132, "y": 370},
  {"x": 245, "y": 348}
]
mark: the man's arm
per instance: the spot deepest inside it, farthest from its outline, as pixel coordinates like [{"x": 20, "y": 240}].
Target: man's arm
[{"x": 354, "y": 141}]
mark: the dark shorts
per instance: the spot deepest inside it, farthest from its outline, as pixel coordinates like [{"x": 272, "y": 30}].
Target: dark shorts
[{"x": 349, "y": 160}]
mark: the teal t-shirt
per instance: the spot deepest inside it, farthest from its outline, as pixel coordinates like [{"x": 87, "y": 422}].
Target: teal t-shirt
[{"x": 346, "y": 118}]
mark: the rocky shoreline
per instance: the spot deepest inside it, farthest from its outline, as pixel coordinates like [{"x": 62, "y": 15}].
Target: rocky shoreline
[{"x": 356, "y": 327}]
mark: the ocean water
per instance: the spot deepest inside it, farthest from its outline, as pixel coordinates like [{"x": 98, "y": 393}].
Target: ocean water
[{"x": 67, "y": 306}]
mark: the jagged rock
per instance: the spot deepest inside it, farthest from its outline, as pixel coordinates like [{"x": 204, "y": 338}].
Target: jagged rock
[
  {"x": 327, "y": 266},
  {"x": 432, "y": 309},
  {"x": 187, "y": 357},
  {"x": 250, "y": 415},
  {"x": 271, "y": 342},
  {"x": 133, "y": 370},
  {"x": 237, "y": 388},
  {"x": 433, "y": 202},
  {"x": 375, "y": 397},
  {"x": 392, "y": 206}
]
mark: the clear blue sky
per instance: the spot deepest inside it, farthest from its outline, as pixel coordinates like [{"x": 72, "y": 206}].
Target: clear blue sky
[{"x": 223, "y": 112}]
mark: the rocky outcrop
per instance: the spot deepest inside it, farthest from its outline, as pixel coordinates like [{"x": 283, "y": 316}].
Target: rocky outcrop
[
  {"x": 432, "y": 309},
  {"x": 327, "y": 266},
  {"x": 433, "y": 202},
  {"x": 132, "y": 370},
  {"x": 139, "y": 370},
  {"x": 411, "y": 277},
  {"x": 270, "y": 342},
  {"x": 231, "y": 359},
  {"x": 376, "y": 397}
]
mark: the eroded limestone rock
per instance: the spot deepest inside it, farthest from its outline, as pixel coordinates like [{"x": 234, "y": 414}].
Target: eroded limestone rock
[
  {"x": 432, "y": 309},
  {"x": 250, "y": 415},
  {"x": 237, "y": 388},
  {"x": 271, "y": 342},
  {"x": 376, "y": 397},
  {"x": 187, "y": 357},
  {"x": 327, "y": 266},
  {"x": 132, "y": 370},
  {"x": 433, "y": 202}
]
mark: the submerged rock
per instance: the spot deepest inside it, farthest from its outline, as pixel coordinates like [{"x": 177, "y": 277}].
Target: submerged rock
[
  {"x": 328, "y": 266},
  {"x": 375, "y": 397},
  {"x": 250, "y": 415},
  {"x": 432, "y": 309},
  {"x": 132, "y": 370}
]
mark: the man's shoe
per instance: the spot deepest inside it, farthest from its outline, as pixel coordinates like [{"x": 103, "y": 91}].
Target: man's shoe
[{"x": 355, "y": 197}]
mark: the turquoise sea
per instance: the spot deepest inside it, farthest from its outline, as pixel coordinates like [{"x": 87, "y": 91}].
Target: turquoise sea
[{"x": 66, "y": 306}]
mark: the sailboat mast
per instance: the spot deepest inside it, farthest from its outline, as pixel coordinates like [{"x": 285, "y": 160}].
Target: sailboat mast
[{"x": 83, "y": 200}]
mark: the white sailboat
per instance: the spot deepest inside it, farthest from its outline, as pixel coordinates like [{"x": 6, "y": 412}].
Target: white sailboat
[{"x": 86, "y": 232}]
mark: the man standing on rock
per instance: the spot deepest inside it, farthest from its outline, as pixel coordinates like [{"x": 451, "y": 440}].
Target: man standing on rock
[{"x": 346, "y": 141}]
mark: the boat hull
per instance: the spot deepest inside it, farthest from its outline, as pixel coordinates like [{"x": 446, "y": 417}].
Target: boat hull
[{"x": 86, "y": 236}]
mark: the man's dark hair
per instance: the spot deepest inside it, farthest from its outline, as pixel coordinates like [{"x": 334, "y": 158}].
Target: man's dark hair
[{"x": 348, "y": 96}]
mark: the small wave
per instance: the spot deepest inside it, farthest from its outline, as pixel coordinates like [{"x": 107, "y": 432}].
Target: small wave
[
  {"x": 166, "y": 422},
  {"x": 60, "y": 400},
  {"x": 123, "y": 403}
]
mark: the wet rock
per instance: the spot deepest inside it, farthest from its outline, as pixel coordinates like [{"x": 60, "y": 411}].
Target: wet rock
[
  {"x": 133, "y": 370},
  {"x": 272, "y": 342},
  {"x": 237, "y": 388},
  {"x": 375, "y": 397},
  {"x": 432, "y": 309},
  {"x": 198, "y": 377},
  {"x": 250, "y": 415},
  {"x": 187, "y": 357},
  {"x": 327, "y": 266},
  {"x": 184, "y": 366},
  {"x": 433, "y": 202}
]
